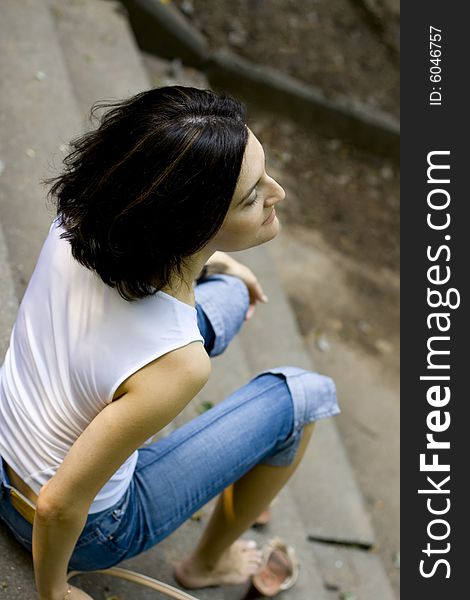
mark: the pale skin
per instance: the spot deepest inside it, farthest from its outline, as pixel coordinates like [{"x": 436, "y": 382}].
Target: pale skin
[{"x": 175, "y": 378}]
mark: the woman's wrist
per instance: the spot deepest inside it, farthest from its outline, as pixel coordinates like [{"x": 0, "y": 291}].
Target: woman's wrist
[
  {"x": 217, "y": 263},
  {"x": 219, "y": 260}
]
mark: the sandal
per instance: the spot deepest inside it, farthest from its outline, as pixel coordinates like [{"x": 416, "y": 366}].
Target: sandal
[{"x": 279, "y": 571}]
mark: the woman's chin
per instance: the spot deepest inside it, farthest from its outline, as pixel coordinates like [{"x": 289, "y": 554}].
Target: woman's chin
[
  {"x": 272, "y": 229},
  {"x": 266, "y": 233}
]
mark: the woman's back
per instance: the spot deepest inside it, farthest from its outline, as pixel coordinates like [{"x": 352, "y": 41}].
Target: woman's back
[{"x": 74, "y": 342}]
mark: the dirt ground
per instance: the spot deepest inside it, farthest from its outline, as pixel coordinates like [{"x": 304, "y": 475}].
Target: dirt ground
[
  {"x": 351, "y": 197},
  {"x": 338, "y": 253},
  {"x": 332, "y": 44}
]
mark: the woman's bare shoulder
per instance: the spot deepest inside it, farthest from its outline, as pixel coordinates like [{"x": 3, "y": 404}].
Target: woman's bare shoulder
[{"x": 190, "y": 362}]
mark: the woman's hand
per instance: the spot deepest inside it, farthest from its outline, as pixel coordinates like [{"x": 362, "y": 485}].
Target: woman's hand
[{"x": 223, "y": 263}]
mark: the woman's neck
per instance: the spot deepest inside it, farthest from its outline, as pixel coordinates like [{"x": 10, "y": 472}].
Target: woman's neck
[{"x": 181, "y": 287}]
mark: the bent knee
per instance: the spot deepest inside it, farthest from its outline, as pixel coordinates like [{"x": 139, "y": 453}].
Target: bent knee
[{"x": 313, "y": 394}]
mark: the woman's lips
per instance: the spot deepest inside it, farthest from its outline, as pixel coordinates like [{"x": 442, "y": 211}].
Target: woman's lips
[{"x": 270, "y": 218}]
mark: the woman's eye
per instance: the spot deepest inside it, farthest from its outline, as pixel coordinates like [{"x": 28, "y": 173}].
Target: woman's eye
[{"x": 252, "y": 200}]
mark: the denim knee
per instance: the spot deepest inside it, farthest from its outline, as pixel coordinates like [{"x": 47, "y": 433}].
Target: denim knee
[
  {"x": 313, "y": 398},
  {"x": 224, "y": 299}
]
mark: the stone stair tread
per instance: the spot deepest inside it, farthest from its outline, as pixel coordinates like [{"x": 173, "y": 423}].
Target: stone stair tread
[
  {"x": 38, "y": 116},
  {"x": 16, "y": 573},
  {"x": 328, "y": 498},
  {"x": 359, "y": 572},
  {"x": 100, "y": 52},
  {"x": 8, "y": 301}
]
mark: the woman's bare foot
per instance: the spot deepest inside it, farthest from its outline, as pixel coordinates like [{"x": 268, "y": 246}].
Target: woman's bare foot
[
  {"x": 264, "y": 518},
  {"x": 236, "y": 565}
]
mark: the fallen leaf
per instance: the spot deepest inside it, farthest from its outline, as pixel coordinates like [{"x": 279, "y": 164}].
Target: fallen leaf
[{"x": 204, "y": 406}]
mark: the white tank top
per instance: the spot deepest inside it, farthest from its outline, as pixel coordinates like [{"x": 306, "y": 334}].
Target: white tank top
[{"x": 75, "y": 340}]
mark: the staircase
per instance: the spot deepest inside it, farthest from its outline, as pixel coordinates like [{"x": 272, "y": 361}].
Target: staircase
[{"x": 56, "y": 59}]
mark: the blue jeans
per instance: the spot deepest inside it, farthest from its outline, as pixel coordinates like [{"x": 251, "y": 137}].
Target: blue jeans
[{"x": 261, "y": 422}]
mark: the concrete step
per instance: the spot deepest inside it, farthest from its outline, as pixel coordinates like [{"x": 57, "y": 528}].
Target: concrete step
[
  {"x": 38, "y": 117},
  {"x": 16, "y": 575},
  {"x": 99, "y": 50},
  {"x": 352, "y": 572},
  {"x": 8, "y": 301}
]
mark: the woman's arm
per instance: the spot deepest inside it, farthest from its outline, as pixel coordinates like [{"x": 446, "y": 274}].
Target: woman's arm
[
  {"x": 217, "y": 263},
  {"x": 152, "y": 398},
  {"x": 220, "y": 262}
]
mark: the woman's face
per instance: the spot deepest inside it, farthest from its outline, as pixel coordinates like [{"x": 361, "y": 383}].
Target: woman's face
[{"x": 251, "y": 219}]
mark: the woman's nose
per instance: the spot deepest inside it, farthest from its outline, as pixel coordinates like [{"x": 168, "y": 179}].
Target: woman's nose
[{"x": 277, "y": 193}]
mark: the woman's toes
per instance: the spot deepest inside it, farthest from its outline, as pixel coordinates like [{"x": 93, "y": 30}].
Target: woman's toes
[
  {"x": 254, "y": 559},
  {"x": 253, "y": 568},
  {"x": 256, "y": 562}
]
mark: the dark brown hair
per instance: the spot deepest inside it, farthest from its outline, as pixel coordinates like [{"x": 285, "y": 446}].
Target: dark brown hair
[{"x": 151, "y": 185}]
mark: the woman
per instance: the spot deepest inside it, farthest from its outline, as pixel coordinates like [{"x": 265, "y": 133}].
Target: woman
[{"x": 113, "y": 339}]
